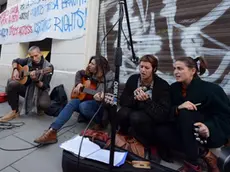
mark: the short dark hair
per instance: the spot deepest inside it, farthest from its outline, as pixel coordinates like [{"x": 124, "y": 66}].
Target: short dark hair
[{"x": 151, "y": 59}]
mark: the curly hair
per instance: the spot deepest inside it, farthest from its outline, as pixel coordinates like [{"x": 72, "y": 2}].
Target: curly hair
[{"x": 102, "y": 65}]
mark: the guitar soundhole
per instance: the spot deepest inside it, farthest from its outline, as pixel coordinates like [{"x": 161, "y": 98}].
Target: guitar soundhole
[
  {"x": 21, "y": 74},
  {"x": 81, "y": 89}
]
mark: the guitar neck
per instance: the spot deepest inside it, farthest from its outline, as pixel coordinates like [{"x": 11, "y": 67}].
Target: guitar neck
[
  {"x": 89, "y": 91},
  {"x": 46, "y": 70},
  {"x": 26, "y": 73}
]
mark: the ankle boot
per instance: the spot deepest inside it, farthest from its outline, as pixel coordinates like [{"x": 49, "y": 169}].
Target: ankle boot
[
  {"x": 48, "y": 137},
  {"x": 211, "y": 161},
  {"x": 188, "y": 167}
]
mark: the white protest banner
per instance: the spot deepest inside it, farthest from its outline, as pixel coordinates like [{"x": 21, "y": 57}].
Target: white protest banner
[{"x": 34, "y": 20}]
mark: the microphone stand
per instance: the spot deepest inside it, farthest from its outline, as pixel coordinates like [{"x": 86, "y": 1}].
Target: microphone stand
[{"x": 118, "y": 64}]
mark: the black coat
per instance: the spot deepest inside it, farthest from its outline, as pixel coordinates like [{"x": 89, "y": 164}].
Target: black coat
[
  {"x": 215, "y": 104},
  {"x": 158, "y": 108}
]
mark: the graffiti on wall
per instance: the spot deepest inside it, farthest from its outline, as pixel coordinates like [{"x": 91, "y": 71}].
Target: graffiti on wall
[{"x": 171, "y": 29}]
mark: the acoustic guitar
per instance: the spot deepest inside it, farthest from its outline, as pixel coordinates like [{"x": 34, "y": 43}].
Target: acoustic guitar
[
  {"x": 86, "y": 92},
  {"x": 24, "y": 73},
  {"x": 89, "y": 90}
]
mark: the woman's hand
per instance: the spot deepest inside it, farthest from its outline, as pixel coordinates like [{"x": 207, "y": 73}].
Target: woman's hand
[
  {"x": 77, "y": 89},
  {"x": 202, "y": 129},
  {"x": 140, "y": 95},
  {"x": 187, "y": 105},
  {"x": 99, "y": 96}
]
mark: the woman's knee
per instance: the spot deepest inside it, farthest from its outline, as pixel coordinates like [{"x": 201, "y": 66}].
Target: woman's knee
[
  {"x": 186, "y": 119},
  {"x": 137, "y": 118},
  {"x": 74, "y": 102},
  {"x": 123, "y": 113},
  {"x": 87, "y": 107},
  {"x": 191, "y": 114}
]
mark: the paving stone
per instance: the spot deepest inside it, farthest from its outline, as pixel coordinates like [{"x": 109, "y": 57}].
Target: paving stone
[
  {"x": 8, "y": 157},
  {"x": 9, "y": 169},
  {"x": 47, "y": 159}
]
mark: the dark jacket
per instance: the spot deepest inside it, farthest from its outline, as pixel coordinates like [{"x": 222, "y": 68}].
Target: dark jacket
[
  {"x": 32, "y": 66},
  {"x": 215, "y": 105},
  {"x": 158, "y": 107}
]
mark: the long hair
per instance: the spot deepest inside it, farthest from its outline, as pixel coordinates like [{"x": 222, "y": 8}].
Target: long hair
[
  {"x": 102, "y": 66},
  {"x": 193, "y": 63}
]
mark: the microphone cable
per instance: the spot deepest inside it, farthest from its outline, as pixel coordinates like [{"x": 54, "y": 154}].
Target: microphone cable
[{"x": 11, "y": 125}]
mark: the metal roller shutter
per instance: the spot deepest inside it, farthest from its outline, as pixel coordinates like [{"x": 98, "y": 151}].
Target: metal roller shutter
[{"x": 170, "y": 29}]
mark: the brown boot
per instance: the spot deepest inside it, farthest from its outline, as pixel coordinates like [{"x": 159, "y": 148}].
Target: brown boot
[
  {"x": 48, "y": 137},
  {"x": 9, "y": 116},
  {"x": 211, "y": 161},
  {"x": 189, "y": 168}
]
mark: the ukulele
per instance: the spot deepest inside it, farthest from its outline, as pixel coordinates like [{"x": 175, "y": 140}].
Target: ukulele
[
  {"x": 24, "y": 73},
  {"x": 86, "y": 92}
]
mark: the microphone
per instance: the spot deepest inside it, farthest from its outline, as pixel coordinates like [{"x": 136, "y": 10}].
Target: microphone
[
  {"x": 143, "y": 89},
  {"x": 135, "y": 60}
]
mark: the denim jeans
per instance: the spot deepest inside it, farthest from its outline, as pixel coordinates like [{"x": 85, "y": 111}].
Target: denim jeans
[{"x": 85, "y": 108}]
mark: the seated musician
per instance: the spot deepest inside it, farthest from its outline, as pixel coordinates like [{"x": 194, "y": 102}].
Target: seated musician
[
  {"x": 195, "y": 103},
  {"x": 86, "y": 108},
  {"x": 35, "y": 89},
  {"x": 145, "y": 102}
]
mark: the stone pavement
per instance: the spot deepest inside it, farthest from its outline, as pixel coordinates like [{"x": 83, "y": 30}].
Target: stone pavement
[{"x": 45, "y": 159}]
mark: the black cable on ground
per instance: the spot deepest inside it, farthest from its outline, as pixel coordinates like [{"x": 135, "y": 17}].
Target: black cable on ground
[{"x": 11, "y": 125}]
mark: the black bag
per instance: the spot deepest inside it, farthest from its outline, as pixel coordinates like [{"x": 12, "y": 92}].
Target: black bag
[
  {"x": 70, "y": 164},
  {"x": 224, "y": 159},
  {"x": 58, "y": 99}
]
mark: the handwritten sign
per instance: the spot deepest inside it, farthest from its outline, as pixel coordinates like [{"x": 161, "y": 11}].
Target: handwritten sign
[{"x": 34, "y": 20}]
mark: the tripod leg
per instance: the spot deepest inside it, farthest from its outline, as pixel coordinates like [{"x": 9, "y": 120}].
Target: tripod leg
[
  {"x": 134, "y": 59},
  {"x": 118, "y": 63}
]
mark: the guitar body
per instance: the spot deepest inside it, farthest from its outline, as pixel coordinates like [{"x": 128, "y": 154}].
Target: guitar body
[
  {"x": 24, "y": 73},
  {"x": 87, "y": 83},
  {"x": 23, "y": 70}
]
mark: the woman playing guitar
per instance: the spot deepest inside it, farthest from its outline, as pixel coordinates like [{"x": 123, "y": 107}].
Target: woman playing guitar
[{"x": 84, "y": 104}]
